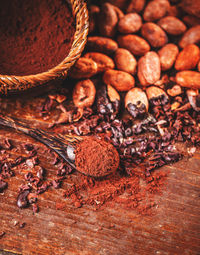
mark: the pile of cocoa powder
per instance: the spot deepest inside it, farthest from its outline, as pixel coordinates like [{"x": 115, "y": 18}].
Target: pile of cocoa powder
[
  {"x": 96, "y": 157},
  {"x": 137, "y": 86}
]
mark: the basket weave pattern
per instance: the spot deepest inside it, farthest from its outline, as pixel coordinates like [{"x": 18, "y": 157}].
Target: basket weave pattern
[{"x": 13, "y": 83}]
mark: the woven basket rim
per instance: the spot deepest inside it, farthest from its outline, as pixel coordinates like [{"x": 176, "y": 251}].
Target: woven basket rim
[{"x": 80, "y": 14}]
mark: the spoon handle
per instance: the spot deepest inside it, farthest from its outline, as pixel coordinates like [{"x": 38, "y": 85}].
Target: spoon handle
[{"x": 64, "y": 145}]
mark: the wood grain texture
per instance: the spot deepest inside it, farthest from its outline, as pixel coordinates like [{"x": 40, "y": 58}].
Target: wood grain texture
[{"x": 174, "y": 228}]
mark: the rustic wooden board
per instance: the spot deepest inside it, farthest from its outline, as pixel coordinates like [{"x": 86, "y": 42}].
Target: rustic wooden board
[{"x": 173, "y": 229}]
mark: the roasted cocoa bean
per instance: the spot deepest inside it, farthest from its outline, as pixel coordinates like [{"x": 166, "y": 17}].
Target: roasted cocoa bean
[
  {"x": 191, "y": 36},
  {"x": 135, "y": 44},
  {"x": 149, "y": 68},
  {"x": 172, "y": 25},
  {"x": 154, "y": 34},
  {"x": 188, "y": 58},
  {"x": 120, "y": 80},
  {"x": 119, "y": 13},
  {"x": 188, "y": 79},
  {"x": 84, "y": 94},
  {"x": 155, "y": 10},
  {"x": 83, "y": 68},
  {"x": 22, "y": 200},
  {"x": 112, "y": 94},
  {"x": 191, "y": 7},
  {"x": 103, "y": 61},
  {"x": 125, "y": 61},
  {"x": 174, "y": 11},
  {"x": 93, "y": 14},
  {"x": 101, "y": 44},
  {"x": 107, "y": 20},
  {"x": 191, "y": 21},
  {"x": 168, "y": 55},
  {"x": 130, "y": 23},
  {"x": 135, "y": 6}
]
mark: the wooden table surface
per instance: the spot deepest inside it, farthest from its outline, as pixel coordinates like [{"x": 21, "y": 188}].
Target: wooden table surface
[{"x": 174, "y": 227}]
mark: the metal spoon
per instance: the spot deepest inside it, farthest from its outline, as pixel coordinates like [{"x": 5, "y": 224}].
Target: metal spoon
[{"x": 63, "y": 145}]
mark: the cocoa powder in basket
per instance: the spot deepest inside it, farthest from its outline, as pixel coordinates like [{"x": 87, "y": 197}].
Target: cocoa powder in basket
[{"x": 35, "y": 35}]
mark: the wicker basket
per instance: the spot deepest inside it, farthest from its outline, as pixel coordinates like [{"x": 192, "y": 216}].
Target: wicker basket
[{"x": 11, "y": 83}]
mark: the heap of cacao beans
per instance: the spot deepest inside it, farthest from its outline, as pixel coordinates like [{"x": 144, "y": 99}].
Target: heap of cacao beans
[
  {"x": 141, "y": 63},
  {"x": 142, "y": 48}
]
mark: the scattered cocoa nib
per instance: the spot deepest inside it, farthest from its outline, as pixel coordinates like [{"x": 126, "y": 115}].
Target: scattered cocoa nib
[
  {"x": 31, "y": 162},
  {"x": 7, "y": 144},
  {"x": 41, "y": 189},
  {"x": 60, "y": 98},
  {"x": 64, "y": 169},
  {"x": 16, "y": 222},
  {"x": 2, "y": 233},
  {"x": 35, "y": 208},
  {"x": 28, "y": 176},
  {"x": 19, "y": 160},
  {"x": 6, "y": 170},
  {"x": 32, "y": 198},
  {"x": 22, "y": 225},
  {"x": 56, "y": 183},
  {"x": 32, "y": 153},
  {"x": 35, "y": 160},
  {"x": 28, "y": 147},
  {"x": 3, "y": 185},
  {"x": 55, "y": 160},
  {"x": 77, "y": 204},
  {"x": 41, "y": 173},
  {"x": 22, "y": 200},
  {"x": 45, "y": 107}
]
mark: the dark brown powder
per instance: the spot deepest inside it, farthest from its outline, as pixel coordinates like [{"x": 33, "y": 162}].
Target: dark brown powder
[
  {"x": 95, "y": 157},
  {"x": 35, "y": 35}
]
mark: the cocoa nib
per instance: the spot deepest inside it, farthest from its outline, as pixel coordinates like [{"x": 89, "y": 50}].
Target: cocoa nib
[
  {"x": 2, "y": 233},
  {"x": 56, "y": 183},
  {"x": 28, "y": 147},
  {"x": 6, "y": 170},
  {"x": 22, "y": 200},
  {"x": 41, "y": 173},
  {"x": 7, "y": 144},
  {"x": 35, "y": 208},
  {"x": 3, "y": 185},
  {"x": 22, "y": 225},
  {"x": 41, "y": 189}
]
